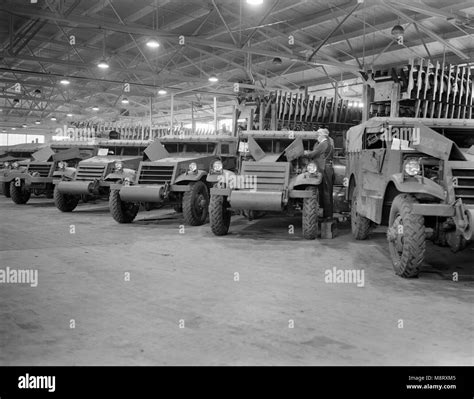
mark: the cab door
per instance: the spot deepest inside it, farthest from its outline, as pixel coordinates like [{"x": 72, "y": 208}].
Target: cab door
[{"x": 372, "y": 162}]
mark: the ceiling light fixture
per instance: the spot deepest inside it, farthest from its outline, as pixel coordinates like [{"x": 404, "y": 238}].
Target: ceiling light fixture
[
  {"x": 13, "y": 128},
  {"x": 53, "y": 118},
  {"x": 95, "y": 108},
  {"x": 152, "y": 43},
  {"x": 64, "y": 81},
  {"x": 69, "y": 115},
  {"x": 103, "y": 64},
  {"x": 162, "y": 92},
  {"x": 255, "y": 2},
  {"x": 125, "y": 100},
  {"x": 397, "y": 31},
  {"x": 213, "y": 79},
  {"x": 24, "y": 125},
  {"x": 277, "y": 61},
  {"x": 38, "y": 122}
]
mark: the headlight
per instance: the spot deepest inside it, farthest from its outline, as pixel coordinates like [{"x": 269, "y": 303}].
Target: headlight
[
  {"x": 118, "y": 166},
  {"x": 412, "y": 167},
  {"x": 62, "y": 165},
  {"x": 192, "y": 167},
  {"x": 6, "y": 164},
  {"x": 312, "y": 168},
  {"x": 217, "y": 166},
  {"x": 15, "y": 165}
]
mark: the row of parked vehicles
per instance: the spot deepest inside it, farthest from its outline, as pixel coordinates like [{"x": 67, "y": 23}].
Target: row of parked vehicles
[{"x": 415, "y": 176}]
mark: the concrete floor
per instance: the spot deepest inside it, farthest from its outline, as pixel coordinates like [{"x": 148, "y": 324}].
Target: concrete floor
[{"x": 190, "y": 277}]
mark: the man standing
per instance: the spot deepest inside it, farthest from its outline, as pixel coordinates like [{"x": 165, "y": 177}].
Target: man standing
[{"x": 322, "y": 155}]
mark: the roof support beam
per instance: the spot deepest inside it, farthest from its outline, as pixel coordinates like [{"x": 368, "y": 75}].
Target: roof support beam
[
  {"x": 333, "y": 31},
  {"x": 224, "y": 22},
  {"x": 429, "y": 32}
]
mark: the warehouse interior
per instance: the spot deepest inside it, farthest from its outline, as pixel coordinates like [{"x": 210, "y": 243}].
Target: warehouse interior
[{"x": 128, "y": 269}]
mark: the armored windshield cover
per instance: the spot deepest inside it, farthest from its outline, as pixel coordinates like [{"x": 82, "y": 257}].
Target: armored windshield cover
[{"x": 43, "y": 155}]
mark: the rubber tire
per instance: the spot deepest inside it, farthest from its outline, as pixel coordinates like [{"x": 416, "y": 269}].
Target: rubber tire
[
  {"x": 6, "y": 189},
  {"x": 122, "y": 212},
  {"x": 360, "y": 225},
  {"x": 19, "y": 195},
  {"x": 414, "y": 237},
  {"x": 219, "y": 215},
  {"x": 65, "y": 202},
  {"x": 310, "y": 215},
  {"x": 192, "y": 215}
]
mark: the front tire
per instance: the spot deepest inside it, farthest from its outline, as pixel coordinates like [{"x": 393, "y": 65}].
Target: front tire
[
  {"x": 122, "y": 212},
  {"x": 196, "y": 204},
  {"x": 406, "y": 237},
  {"x": 19, "y": 194},
  {"x": 6, "y": 189},
  {"x": 310, "y": 214},
  {"x": 65, "y": 202},
  {"x": 360, "y": 225},
  {"x": 219, "y": 215}
]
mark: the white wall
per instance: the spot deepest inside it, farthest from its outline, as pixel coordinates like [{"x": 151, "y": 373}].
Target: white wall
[{"x": 17, "y": 138}]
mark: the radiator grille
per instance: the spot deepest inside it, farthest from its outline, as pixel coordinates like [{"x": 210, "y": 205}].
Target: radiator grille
[
  {"x": 90, "y": 172},
  {"x": 155, "y": 174},
  {"x": 44, "y": 169},
  {"x": 270, "y": 176},
  {"x": 464, "y": 187}
]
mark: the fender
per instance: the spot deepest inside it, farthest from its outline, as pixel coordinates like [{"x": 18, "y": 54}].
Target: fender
[
  {"x": 418, "y": 185},
  {"x": 190, "y": 177},
  {"x": 223, "y": 177},
  {"x": 12, "y": 175},
  {"x": 306, "y": 179}
]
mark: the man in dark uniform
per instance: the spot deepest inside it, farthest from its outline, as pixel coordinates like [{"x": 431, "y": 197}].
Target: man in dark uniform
[{"x": 322, "y": 156}]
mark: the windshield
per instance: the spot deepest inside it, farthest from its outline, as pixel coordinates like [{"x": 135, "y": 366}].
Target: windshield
[
  {"x": 190, "y": 148},
  {"x": 462, "y": 137},
  {"x": 130, "y": 151}
]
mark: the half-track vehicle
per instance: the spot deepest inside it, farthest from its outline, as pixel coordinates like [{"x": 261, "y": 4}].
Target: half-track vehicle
[
  {"x": 48, "y": 165},
  {"x": 15, "y": 157},
  {"x": 179, "y": 172},
  {"x": 115, "y": 161},
  {"x": 415, "y": 176},
  {"x": 273, "y": 177}
]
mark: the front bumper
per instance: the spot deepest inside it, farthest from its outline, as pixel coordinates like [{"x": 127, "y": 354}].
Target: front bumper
[
  {"x": 141, "y": 193},
  {"x": 442, "y": 210},
  {"x": 75, "y": 187}
]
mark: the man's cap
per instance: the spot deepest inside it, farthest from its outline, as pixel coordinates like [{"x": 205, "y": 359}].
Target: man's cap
[{"x": 323, "y": 131}]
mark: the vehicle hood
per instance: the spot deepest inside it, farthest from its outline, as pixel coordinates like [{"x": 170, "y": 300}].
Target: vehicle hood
[{"x": 107, "y": 159}]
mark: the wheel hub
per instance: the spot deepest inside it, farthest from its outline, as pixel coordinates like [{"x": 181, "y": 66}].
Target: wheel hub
[{"x": 395, "y": 234}]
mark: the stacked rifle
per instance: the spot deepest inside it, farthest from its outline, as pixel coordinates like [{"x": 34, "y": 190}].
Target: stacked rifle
[
  {"x": 430, "y": 90},
  {"x": 299, "y": 111}
]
